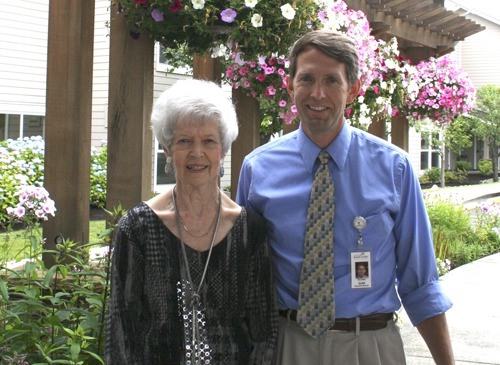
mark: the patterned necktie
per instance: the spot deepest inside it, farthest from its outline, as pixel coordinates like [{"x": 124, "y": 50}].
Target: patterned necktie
[{"x": 316, "y": 312}]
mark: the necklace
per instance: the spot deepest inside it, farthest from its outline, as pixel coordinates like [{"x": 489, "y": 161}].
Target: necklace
[
  {"x": 198, "y": 235},
  {"x": 195, "y": 296}
]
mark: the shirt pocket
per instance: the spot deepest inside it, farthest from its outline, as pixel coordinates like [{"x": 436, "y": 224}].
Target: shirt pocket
[{"x": 378, "y": 234}]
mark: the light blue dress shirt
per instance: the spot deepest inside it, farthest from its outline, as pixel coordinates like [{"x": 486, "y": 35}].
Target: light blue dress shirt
[{"x": 373, "y": 179}]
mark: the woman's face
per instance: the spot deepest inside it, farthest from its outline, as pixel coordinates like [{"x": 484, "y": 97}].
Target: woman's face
[{"x": 197, "y": 152}]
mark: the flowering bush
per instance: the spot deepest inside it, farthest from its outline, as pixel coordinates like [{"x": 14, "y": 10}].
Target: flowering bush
[
  {"x": 53, "y": 315},
  {"x": 22, "y": 163},
  {"x": 251, "y": 26},
  {"x": 444, "y": 92},
  {"x": 443, "y": 266},
  {"x": 34, "y": 204}
]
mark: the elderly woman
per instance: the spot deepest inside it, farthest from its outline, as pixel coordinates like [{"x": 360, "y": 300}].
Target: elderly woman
[{"x": 191, "y": 278}]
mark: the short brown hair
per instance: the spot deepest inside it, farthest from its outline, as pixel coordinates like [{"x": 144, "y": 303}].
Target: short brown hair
[{"x": 333, "y": 44}]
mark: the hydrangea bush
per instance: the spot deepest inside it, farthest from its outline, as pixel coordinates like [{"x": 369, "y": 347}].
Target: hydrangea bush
[{"x": 22, "y": 164}]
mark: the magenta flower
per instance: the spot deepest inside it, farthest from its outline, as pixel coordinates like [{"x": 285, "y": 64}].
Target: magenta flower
[
  {"x": 270, "y": 91},
  {"x": 228, "y": 15}
]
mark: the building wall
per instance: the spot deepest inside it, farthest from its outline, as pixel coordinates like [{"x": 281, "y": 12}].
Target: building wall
[{"x": 23, "y": 56}]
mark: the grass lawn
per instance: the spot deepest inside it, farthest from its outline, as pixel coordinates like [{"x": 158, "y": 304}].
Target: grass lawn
[{"x": 13, "y": 245}]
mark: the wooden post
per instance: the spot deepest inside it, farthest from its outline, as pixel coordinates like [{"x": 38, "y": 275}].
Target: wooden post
[
  {"x": 130, "y": 139},
  {"x": 399, "y": 132},
  {"x": 68, "y": 120},
  {"x": 247, "y": 109},
  {"x": 378, "y": 128},
  {"x": 207, "y": 68}
]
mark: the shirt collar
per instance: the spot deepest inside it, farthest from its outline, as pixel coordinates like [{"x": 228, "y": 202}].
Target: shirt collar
[{"x": 338, "y": 149}]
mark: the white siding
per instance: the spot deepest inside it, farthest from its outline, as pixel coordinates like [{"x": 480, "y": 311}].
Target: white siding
[
  {"x": 23, "y": 56},
  {"x": 101, "y": 73},
  {"x": 480, "y": 53}
]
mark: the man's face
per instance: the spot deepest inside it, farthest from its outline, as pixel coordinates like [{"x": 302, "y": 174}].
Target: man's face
[{"x": 320, "y": 90}]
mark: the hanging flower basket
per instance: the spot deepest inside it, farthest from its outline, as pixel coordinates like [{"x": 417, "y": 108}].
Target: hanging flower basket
[
  {"x": 253, "y": 27},
  {"x": 444, "y": 92}
]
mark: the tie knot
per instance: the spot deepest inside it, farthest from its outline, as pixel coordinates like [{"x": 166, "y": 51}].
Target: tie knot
[{"x": 324, "y": 156}]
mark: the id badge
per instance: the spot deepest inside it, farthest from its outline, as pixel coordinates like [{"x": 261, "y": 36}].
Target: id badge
[
  {"x": 361, "y": 265},
  {"x": 361, "y": 260}
]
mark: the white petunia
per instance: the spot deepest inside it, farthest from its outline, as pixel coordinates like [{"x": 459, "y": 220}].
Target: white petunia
[
  {"x": 257, "y": 20},
  {"x": 251, "y": 3},
  {"x": 287, "y": 11},
  {"x": 198, "y": 4}
]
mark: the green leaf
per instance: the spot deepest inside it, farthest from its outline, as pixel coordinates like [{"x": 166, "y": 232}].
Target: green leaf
[
  {"x": 75, "y": 350},
  {"x": 4, "y": 290}
]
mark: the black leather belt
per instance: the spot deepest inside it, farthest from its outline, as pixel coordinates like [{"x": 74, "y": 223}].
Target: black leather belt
[{"x": 366, "y": 323}]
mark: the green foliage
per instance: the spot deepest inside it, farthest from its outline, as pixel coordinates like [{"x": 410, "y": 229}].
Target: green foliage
[
  {"x": 457, "y": 136},
  {"x": 22, "y": 163},
  {"x": 485, "y": 167},
  {"x": 452, "y": 177},
  {"x": 464, "y": 166},
  {"x": 488, "y": 114},
  {"x": 56, "y": 315},
  {"x": 431, "y": 176},
  {"x": 459, "y": 239},
  {"x": 98, "y": 176}
]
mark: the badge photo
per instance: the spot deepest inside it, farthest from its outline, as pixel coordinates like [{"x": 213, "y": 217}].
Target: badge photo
[{"x": 361, "y": 273}]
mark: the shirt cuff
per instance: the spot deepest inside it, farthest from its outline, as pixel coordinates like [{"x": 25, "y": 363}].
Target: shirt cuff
[{"x": 425, "y": 302}]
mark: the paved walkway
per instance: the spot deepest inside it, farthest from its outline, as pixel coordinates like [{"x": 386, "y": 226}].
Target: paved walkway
[{"x": 474, "y": 319}]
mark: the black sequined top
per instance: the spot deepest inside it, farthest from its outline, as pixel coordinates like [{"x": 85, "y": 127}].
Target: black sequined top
[{"x": 147, "y": 321}]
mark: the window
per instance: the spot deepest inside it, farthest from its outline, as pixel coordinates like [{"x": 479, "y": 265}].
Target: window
[
  {"x": 160, "y": 177},
  {"x": 13, "y": 126},
  {"x": 163, "y": 66},
  {"x": 430, "y": 150}
]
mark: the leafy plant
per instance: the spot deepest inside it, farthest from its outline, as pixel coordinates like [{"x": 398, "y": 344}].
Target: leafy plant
[
  {"x": 55, "y": 315},
  {"x": 432, "y": 175},
  {"x": 464, "y": 166},
  {"x": 485, "y": 167},
  {"x": 457, "y": 237}
]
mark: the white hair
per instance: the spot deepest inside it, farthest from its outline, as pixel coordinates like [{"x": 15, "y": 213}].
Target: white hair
[{"x": 194, "y": 101}]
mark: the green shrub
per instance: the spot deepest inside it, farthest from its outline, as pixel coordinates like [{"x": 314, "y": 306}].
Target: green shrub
[
  {"x": 98, "y": 176},
  {"x": 431, "y": 176},
  {"x": 485, "y": 167},
  {"x": 464, "y": 166},
  {"x": 460, "y": 239}
]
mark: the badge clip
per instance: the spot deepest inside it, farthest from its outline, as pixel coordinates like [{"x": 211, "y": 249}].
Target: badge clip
[{"x": 359, "y": 223}]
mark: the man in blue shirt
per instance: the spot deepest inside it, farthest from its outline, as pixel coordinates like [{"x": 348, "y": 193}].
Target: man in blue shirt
[{"x": 380, "y": 219}]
